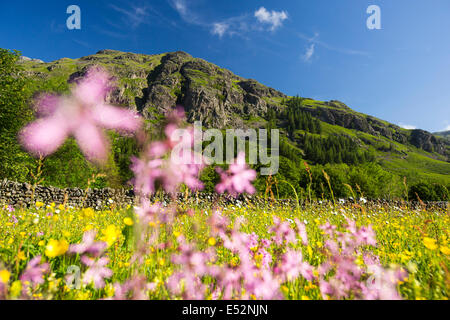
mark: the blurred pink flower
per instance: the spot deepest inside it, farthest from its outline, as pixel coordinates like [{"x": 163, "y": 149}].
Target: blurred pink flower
[
  {"x": 237, "y": 179},
  {"x": 89, "y": 245},
  {"x": 341, "y": 276},
  {"x": 82, "y": 115},
  {"x": 284, "y": 234},
  {"x": 96, "y": 272},
  {"x": 133, "y": 289},
  {"x": 146, "y": 175},
  {"x": 152, "y": 170},
  {"x": 301, "y": 229},
  {"x": 147, "y": 211},
  {"x": 292, "y": 265},
  {"x": 34, "y": 271},
  {"x": 13, "y": 219}
]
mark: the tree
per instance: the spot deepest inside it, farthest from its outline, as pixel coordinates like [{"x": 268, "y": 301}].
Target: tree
[{"x": 15, "y": 91}]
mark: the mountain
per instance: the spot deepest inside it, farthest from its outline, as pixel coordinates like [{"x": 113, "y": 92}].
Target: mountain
[
  {"x": 153, "y": 84},
  {"x": 443, "y": 134}
]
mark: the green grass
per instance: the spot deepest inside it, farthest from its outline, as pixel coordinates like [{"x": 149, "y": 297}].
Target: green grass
[{"x": 401, "y": 235}]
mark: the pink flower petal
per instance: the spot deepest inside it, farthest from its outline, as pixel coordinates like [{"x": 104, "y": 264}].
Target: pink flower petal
[
  {"x": 43, "y": 137},
  {"x": 46, "y": 104},
  {"x": 116, "y": 118},
  {"x": 92, "y": 142},
  {"x": 93, "y": 88}
]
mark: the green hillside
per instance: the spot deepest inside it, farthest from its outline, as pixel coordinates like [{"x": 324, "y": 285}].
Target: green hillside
[{"x": 355, "y": 149}]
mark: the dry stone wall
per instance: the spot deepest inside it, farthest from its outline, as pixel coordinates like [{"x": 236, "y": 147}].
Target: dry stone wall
[{"x": 21, "y": 195}]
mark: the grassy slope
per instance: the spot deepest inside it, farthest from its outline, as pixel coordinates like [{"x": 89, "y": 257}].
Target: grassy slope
[
  {"x": 404, "y": 159},
  {"x": 443, "y": 134}
]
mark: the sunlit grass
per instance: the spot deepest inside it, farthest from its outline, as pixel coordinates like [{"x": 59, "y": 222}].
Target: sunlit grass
[{"x": 417, "y": 240}]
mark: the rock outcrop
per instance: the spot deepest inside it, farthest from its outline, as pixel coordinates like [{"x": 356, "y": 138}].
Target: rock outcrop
[
  {"x": 426, "y": 141},
  {"x": 209, "y": 94}
]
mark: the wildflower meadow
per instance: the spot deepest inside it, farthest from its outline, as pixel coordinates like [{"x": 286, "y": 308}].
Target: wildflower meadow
[{"x": 205, "y": 251}]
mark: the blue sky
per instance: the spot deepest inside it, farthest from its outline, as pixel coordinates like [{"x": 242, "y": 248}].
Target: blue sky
[{"x": 320, "y": 49}]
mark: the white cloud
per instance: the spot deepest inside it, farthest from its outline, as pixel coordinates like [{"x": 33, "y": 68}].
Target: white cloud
[
  {"x": 447, "y": 128},
  {"x": 180, "y": 6},
  {"x": 187, "y": 13},
  {"x": 306, "y": 57},
  {"x": 274, "y": 18},
  {"x": 407, "y": 126},
  {"x": 237, "y": 25},
  {"x": 134, "y": 16},
  {"x": 315, "y": 40},
  {"x": 220, "y": 28}
]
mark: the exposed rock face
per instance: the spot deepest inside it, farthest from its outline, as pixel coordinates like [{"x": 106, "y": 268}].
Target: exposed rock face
[
  {"x": 426, "y": 141},
  {"x": 208, "y": 93},
  {"x": 23, "y": 58}
]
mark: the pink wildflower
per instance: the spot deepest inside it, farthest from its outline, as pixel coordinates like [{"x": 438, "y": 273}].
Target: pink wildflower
[
  {"x": 152, "y": 171},
  {"x": 89, "y": 245},
  {"x": 82, "y": 115},
  {"x": 292, "y": 265},
  {"x": 133, "y": 289},
  {"x": 96, "y": 272},
  {"x": 237, "y": 179},
  {"x": 284, "y": 234},
  {"x": 34, "y": 271}
]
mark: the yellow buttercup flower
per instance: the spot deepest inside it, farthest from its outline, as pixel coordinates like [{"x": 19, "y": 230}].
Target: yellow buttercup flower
[
  {"x": 87, "y": 213},
  {"x": 21, "y": 256},
  {"x": 4, "y": 276},
  {"x": 234, "y": 261},
  {"x": 110, "y": 234},
  {"x": 310, "y": 251},
  {"x": 39, "y": 204},
  {"x": 430, "y": 243},
  {"x": 16, "y": 288},
  {"x": 212, "y": 241},
  {"x": 128, "y": 221},
  {"x": 285, "y": 289},
  {"x": 87, "y": 228},
  {"x": 310, "y": 286},
  {"x": 359, "y": 261},
  {"x": 109, "y": 289},
  {"x": 56, "y": 248},
  {"x": 445, "y": 250}
]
